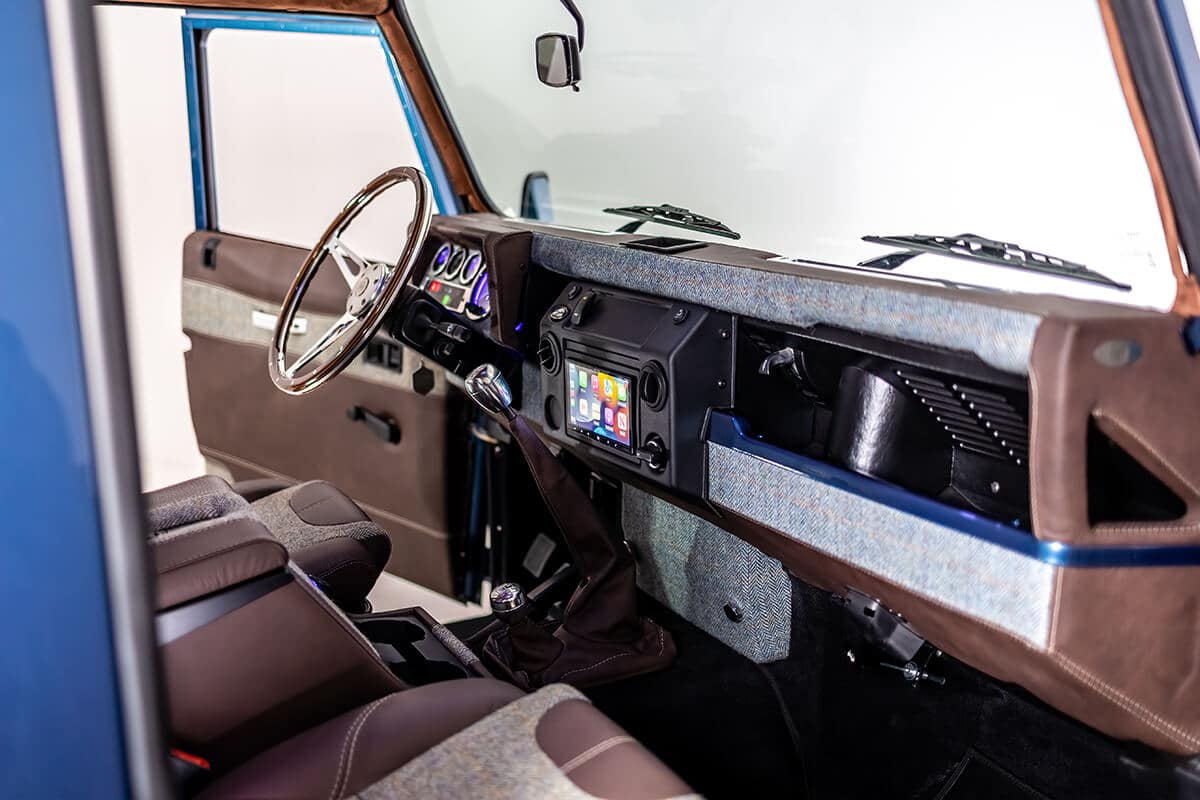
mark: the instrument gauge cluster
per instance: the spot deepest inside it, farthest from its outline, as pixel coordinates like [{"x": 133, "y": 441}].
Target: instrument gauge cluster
[{"x": 456, "y": 277}]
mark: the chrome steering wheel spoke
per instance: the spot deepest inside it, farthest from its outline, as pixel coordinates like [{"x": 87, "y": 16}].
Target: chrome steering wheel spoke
[
  {"x": 343, "y": 324},
  {"x": 340, "y": 252}
]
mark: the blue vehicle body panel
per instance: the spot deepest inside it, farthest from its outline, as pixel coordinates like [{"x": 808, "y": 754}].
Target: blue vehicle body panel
[{"x": 61, "y": 735}]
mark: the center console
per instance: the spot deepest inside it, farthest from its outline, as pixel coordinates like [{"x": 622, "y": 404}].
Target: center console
[
  {"x": 629, "y": 378},
  {"x": 417, "y": 648}
]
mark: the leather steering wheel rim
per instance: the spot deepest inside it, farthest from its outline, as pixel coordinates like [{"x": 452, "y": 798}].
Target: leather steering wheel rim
[{"x": 372, "y": 290}]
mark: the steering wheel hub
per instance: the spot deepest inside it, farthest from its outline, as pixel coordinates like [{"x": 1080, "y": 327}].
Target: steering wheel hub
[{"x": 367, "y": 288}]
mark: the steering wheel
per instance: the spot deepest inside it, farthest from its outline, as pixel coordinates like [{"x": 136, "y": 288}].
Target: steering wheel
[{"x": 373, "y": 288}]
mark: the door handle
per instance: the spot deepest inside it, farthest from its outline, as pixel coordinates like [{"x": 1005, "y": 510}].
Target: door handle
[{"x": 386, "y": 428}]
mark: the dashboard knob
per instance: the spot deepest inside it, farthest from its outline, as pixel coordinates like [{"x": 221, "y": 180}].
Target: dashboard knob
[{"x": 654, "y": 452}]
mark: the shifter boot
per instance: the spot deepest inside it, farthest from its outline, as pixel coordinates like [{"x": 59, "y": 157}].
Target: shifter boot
[{"x": 602, "y": 636}]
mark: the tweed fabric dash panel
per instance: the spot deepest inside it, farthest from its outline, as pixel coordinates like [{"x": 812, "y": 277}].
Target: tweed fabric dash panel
[
  {"x": 974, "y": 576},
  {"x": 696, "y": 569},
  {"x": 1001, "y": 337}
]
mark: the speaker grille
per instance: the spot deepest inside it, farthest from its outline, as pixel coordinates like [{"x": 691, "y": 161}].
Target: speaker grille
[{"x": 978, "y": 420}]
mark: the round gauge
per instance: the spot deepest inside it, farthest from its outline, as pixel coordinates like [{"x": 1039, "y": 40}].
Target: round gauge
[
  {"x": 471, "y": 268},
  {"x": 455, "y": 265},
  {"x": 480, "y": 304},
  {"x": 440, "y": 259}
]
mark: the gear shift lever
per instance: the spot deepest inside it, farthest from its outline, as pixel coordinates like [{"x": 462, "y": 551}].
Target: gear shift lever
[
  {"x": 601, "y": 621},
  {"x": 533, "y": 647},
  {"x": 490, "y": 391}
]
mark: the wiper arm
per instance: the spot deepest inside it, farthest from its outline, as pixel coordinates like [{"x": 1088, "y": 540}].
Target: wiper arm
[
  {"x": 670, "y": 215},
  {"x": 980, "y": 248}
]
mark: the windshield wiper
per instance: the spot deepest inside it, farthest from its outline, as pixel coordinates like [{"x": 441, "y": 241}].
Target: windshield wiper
[
  {"x": 670, "y": 215},
  {"x": 980, "y": 248}
]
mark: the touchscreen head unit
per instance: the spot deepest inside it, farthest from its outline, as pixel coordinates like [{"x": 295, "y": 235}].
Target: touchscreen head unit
[{"x": 600, "y": 405}]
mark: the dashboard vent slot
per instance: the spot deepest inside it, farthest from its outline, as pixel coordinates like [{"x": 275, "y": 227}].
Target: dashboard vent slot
[
  {"x": 549, "y": 354},
  {"x": 977, "y": 420}
]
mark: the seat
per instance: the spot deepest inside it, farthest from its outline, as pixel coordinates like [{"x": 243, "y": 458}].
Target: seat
[
  {"x": 473, "y": 737},
  {"x": 325, "y": 532}
]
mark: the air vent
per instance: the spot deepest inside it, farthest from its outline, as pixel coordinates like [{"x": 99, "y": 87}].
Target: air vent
[
  {"x": 977, "y": 420},
  {"x": 549, "y": 354}
]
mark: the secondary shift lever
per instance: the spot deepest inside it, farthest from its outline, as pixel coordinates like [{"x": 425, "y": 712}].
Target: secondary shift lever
[
  {"x": 534, "y": 647},
  {"x": 603, "y": 636}
]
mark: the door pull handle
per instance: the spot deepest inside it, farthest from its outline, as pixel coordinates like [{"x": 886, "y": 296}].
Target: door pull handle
[{"x": 386, "y": 428}]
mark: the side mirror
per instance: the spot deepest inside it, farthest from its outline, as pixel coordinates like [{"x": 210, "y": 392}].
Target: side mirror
[
  {"x": 535, "y": 198},
  {"x": 558, "y": 60}
]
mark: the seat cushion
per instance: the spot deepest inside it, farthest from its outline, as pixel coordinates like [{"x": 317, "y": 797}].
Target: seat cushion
[
  {"x": 466, "y": 738},
  {"x": 361, "y": 746},
  {"x": 204, "y": 498},
  {"x": 550, "y": 744},
  {"x": 329, "y": 537}
]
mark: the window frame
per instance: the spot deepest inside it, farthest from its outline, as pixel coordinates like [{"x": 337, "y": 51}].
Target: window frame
[{"x": 196, "y": 26}]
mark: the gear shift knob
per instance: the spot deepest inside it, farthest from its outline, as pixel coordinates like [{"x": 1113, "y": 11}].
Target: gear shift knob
[
  {"x": 508, "y": 600},
  {"x": 490, "y": 391}
]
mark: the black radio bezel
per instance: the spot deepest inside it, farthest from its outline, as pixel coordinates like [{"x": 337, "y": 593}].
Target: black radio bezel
[{"x": 588, "y": 436}]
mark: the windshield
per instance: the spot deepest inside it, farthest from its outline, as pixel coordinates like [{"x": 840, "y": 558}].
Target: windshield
[{"x": 805, "y": 126}]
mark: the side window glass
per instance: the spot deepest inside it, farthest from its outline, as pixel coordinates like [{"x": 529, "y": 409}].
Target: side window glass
[{"x": 298, "y": 122}]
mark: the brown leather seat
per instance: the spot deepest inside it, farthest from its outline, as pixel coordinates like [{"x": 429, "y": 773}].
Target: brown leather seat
[
  {"x": 326, "y": 534},
  {"x": 462, "y": 738},
  {"x": 285, "y": 697}
]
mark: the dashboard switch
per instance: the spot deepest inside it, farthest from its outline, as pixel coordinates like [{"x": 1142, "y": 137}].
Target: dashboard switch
[
  {"x": 559, "y": 313},
  {"x": 586, "y": 300}
]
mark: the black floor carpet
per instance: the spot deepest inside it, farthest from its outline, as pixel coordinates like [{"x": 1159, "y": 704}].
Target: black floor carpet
[
  {"x": 855, "y": 729},
  {"x": 713, "y": 717}
]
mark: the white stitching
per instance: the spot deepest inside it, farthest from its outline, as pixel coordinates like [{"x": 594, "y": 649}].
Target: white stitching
[
  {"x": 595, "y": 750},
  {"x": 1148, "y": 527},
  {"x": 343, "y": 764},
  {"x": 1033, "y": 443},
  {"x": 354, "y": 744},
  {"x": 662, "y": 645},
  {"x": 1167, "y": 728},
  {"x": 1058, "y": 576},
  {"x": 1162, "y": 462}
]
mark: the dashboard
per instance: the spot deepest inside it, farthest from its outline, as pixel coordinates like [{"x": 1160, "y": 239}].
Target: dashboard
[{"x": 872, "y": 436}]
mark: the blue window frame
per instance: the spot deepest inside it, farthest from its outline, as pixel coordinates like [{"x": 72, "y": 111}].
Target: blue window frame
[{"x": 197, "y": 26}]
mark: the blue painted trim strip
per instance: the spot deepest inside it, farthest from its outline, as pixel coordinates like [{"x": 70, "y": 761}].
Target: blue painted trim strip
[
  {"x": 195, "y": 136},
  {"x": 196, "y": 23},
  {"x": 733, "y": 432}
]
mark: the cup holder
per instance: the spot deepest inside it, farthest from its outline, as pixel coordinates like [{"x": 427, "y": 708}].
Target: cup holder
[{"x": 409, "y": 648}]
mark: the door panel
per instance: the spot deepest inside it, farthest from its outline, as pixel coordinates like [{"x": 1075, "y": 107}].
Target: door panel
[{"x": 247, "y": 424}]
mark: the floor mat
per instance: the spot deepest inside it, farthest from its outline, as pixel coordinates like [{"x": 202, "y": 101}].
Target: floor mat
[
  {"x": 713, "y": 717},
  {"x": 831, "y": 722},
  {"x": 977, "y": 778}
]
